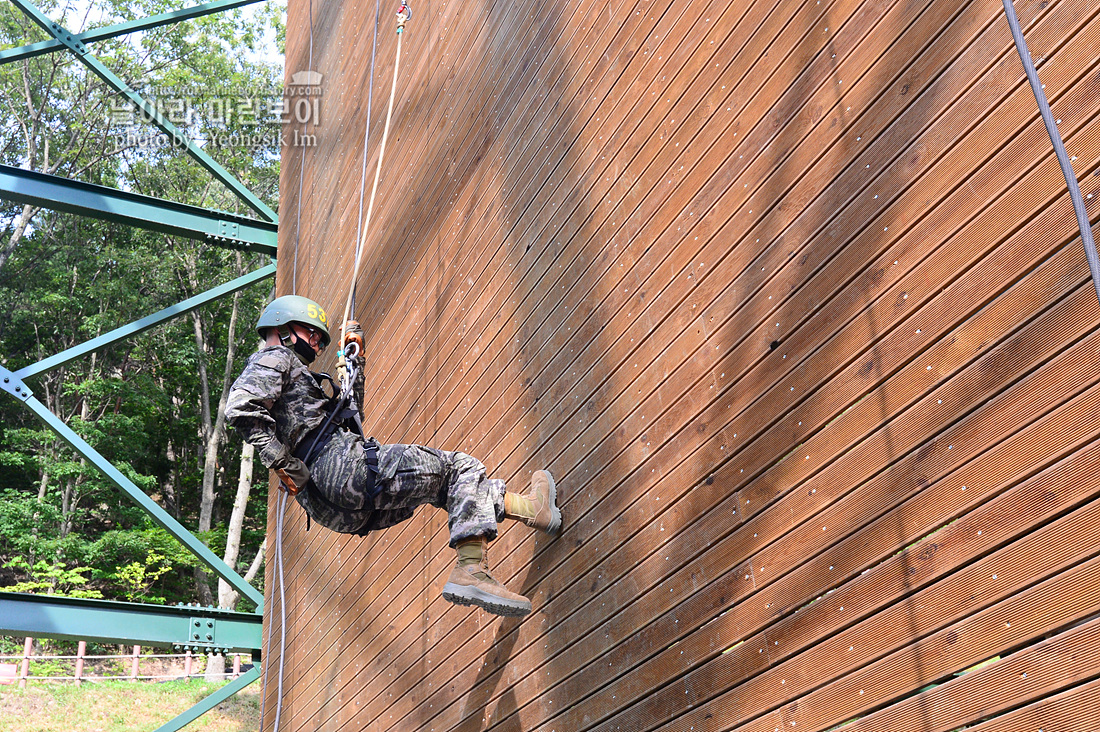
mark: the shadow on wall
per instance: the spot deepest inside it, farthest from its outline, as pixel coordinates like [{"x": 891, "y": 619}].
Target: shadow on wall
[
  {"x": 816, "y": 285},
  {"x": 530, "y": 261},
  {"x": 539, "y": 178}
]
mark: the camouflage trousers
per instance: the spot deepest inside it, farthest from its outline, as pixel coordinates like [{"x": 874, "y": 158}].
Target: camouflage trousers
[{"x": 408, "y": 476}]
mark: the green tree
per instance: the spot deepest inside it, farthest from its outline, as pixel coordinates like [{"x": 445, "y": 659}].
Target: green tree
[
  {"x": 154, "y": 404},
  {"x": 52, "y": 579}
]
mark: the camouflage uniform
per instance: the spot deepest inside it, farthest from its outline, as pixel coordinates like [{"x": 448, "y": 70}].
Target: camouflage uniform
[{"x": 276, "y": 402}]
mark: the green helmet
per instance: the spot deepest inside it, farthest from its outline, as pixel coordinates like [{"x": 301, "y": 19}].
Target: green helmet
[{"x": 294, "y": 309}]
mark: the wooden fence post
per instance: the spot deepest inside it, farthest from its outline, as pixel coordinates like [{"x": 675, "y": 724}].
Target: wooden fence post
[
  {"x": 187, "y": 666},
  {"x": 80, "y": 649},
  {"x": 24, "y": 671},
  {"x": 134, "y": 663},
  {"x": 236, "y": 665}
]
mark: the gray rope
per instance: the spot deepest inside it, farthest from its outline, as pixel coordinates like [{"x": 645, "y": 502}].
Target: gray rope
[
  {"x": 277, "y": 562},
  {"x": 281, "y": 513},
  {"x": 301, "y": 175},
  {"x": 366, "y": 139},
  {"x": 280, "y": 509},
  {"x": 1059, "y": 148}
]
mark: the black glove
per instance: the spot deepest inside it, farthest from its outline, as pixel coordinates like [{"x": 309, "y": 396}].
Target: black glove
[{"x": 293, "y": 476}]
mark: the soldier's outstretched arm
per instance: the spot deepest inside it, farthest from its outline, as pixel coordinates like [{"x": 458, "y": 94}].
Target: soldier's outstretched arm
[{"x": 250, "y": 401}]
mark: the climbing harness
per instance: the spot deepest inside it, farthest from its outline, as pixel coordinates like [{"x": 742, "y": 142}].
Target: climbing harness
[
  {"x": 1059, "y": 148},
  {"x": 344, "y": 411}
]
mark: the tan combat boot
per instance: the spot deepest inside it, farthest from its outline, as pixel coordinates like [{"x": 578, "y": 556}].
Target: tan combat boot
[
  {"x": 538, "y": 506},
  {"x": 471, "y": 584}
]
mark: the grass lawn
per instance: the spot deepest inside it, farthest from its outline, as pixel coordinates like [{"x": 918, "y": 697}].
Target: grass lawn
[{"x": 122, "y": 706}]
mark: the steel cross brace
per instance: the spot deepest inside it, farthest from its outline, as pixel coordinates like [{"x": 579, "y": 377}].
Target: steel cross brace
[
  {"x": 206, "y": 628},
  {"x": 12, "y": 382},
  {"x": 150, "y": 321},
  {"x": 15, "y": 386},
  {"x": 155, "y": 214},
  {"x": 113, "y": 31},
  {"x": 74, "y": 44},
  {"x": 211, "y": 701},
  {"x": 201, "y": 629}
]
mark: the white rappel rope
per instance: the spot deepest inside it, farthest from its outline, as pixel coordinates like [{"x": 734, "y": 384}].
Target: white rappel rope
[
  {"x": 301, "y": 174},
  {"x": 280, "y": 512},
  {"x": 277, "y": 558},
  {"x": 403, "y": 16},
  {"x": 280, "y": 504}
]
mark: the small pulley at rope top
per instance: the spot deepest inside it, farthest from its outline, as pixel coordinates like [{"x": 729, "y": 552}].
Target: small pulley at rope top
[{"x": 404, "y": 15}]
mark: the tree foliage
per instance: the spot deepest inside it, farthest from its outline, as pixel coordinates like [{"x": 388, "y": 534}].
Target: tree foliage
[{"x": 145, "y": 403}]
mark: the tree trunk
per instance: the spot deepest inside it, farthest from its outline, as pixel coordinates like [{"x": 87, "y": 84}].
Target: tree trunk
[
  {"x": 168, "y": 487},
  {"x": 66, "y": 509},
  {"x": 213, "y": 428},
  {"x": 209, "y": 436},
  {"x": 227, "y": 595},
  {"x": 18, "y": 230},
  {"x": 202, "y": 580},
  {"x": 214, "y": 425},
  {"x": 42, "y": 484}
]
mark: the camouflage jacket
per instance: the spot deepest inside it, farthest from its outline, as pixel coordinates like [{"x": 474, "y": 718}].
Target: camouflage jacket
[{"x": 276, "y": 401}]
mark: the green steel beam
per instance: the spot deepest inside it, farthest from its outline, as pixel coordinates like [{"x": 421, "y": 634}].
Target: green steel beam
[
  {"x": 151, "y": 113},
  {"x": 14, "y": 385},
  {"x": 211, "y": 701},
  {"x": 113, "y": 31},
  {"x": 200, "y": 629},
  {"x": 140, "y": 326},
  {"x": 101, "y": 202}
]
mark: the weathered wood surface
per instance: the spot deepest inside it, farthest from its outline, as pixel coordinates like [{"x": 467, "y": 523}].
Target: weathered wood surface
[{"x": 789, "y": 295}]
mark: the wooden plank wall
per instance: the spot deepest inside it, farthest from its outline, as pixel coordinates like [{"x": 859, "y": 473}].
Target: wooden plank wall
[{"x": 789, "y": 296}]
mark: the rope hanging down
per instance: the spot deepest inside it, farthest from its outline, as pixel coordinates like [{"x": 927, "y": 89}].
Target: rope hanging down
[
  {"x": 403, "y": 16},
  {"x": 366, "y": 140},
  {"x": 301, "y": 174},
  {"x": 280, "y": 503},
  {"x": 1059, "y": 148},
  {"x": 280, "y": 513}
]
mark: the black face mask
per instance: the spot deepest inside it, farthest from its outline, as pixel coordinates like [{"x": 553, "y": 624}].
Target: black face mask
[{"x": 303, "y": 349}]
